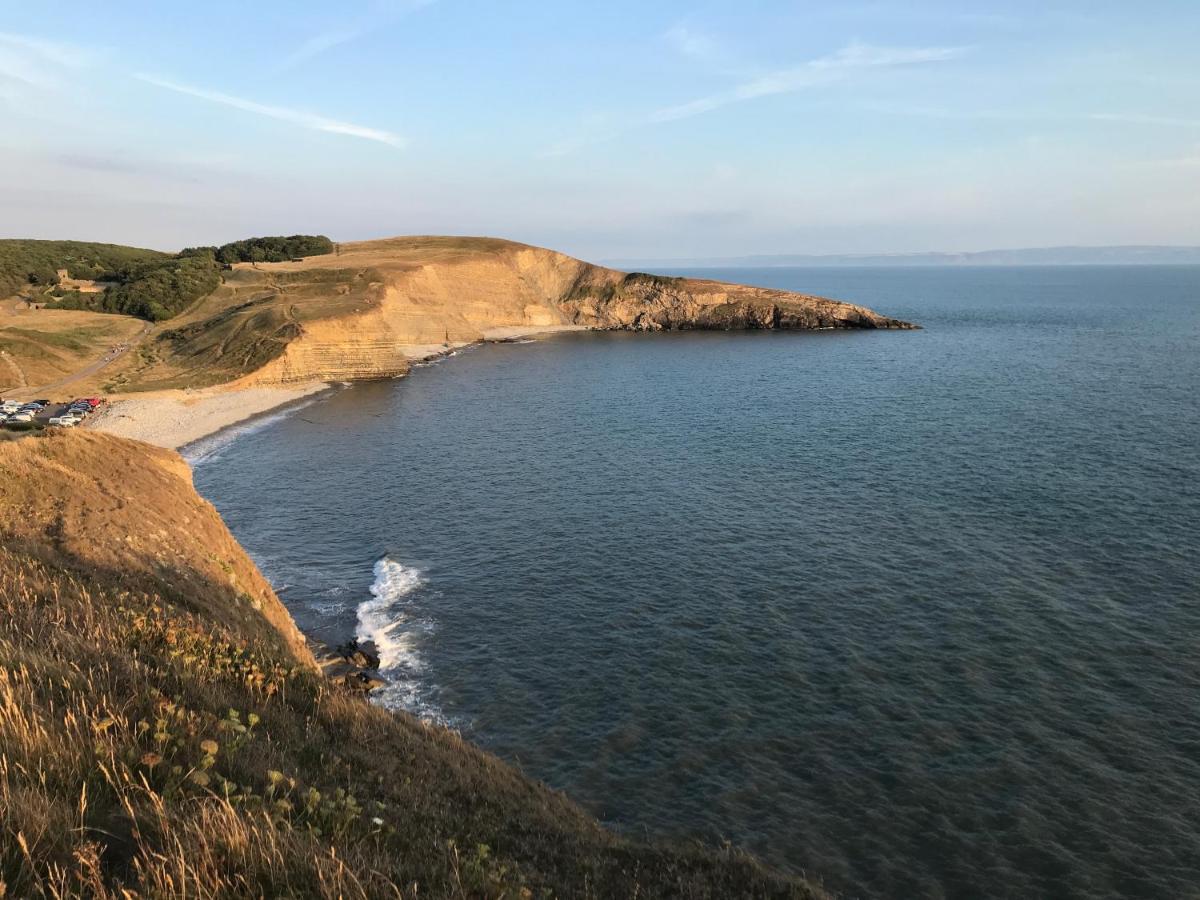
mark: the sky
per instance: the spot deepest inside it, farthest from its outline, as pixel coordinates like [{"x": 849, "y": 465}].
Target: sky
[{"x": 607, "y": 130}]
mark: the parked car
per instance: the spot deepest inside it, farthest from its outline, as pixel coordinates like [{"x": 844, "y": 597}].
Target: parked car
[
  {"x": 64, "y": 421},
  {"x": 24, "y": 416}
]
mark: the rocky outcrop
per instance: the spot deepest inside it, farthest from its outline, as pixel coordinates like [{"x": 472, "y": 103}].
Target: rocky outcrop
[
  {"x": 352, "y": 665},
  {"x": 640, "y": 302}
]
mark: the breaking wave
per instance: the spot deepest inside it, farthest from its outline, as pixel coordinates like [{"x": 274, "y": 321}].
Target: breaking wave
[{"x": 387, "y": 619}]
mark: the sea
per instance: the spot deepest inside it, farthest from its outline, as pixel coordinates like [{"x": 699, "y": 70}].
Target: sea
[{"x": 916, "y": 614}]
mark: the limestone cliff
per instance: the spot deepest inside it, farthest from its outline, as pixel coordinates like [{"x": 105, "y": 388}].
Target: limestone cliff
[{"x": 366, "y": 310}]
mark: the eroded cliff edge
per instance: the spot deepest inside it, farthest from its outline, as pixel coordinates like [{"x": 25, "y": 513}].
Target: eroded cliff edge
[
  {"x": 369, "y": 309},
  {"x": 164, "y": 732}
]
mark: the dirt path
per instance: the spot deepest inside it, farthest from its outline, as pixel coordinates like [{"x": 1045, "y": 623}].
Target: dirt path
[
  {"x": 92, "y": 368},
  {"x": 17, "y": 370}
]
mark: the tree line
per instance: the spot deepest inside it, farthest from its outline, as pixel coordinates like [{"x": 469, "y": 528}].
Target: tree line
[
  {"x": 26, "y": 262},
  {"x": 266, "y": 249},
  {"x": 143, "y": 283}
]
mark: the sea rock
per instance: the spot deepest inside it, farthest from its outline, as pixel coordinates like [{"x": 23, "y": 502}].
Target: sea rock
[
  {"x": 363, "y": 654},
  {"x": 349, "y": 676}
]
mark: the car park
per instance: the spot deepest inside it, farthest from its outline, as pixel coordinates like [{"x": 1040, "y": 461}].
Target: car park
[{"x": 44, "y": 412}]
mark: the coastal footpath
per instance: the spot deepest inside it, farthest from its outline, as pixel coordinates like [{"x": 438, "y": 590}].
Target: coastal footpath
[{"x": 165, "y": 730}]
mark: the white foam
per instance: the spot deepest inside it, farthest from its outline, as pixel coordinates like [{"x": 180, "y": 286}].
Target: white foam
[
  {"x": 387, "y": 620},
  {"x": 210, "y": 449}
]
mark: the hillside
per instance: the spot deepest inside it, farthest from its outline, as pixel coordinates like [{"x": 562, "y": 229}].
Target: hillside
[
  {"x": 29, "y": 262},
  {"x": 69, "y": 308},
  {"x": 43, "y": 346},
  {"x": 164, "y": 732},
  {"x": 371, "y": 307}
]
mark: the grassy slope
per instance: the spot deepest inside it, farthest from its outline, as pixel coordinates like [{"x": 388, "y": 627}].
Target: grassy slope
[
  {"x": 162, "y": 730},
  {"x": 240, "y": 327},
  {"x": 45, "y": 345}
]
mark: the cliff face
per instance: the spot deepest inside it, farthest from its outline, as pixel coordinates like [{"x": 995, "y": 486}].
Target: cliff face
[
  {"x": 97, "y": 503},
  {"x": 164, "y": 732},
  {"x": 365, "y": 311},
  {"x": 640, "y": 302}
]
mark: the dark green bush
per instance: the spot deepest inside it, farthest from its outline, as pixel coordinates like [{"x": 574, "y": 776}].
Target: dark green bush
[{"x": 142, "y": 283}]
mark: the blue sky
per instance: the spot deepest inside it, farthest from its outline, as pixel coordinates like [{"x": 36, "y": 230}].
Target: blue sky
[{"x": 617, "y": 129}]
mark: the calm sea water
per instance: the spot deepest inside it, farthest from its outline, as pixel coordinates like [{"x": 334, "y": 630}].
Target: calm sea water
[{"x": 917, "y": 613}]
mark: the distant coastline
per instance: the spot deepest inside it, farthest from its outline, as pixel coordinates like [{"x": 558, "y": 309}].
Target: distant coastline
[{"x": 1123, "y": 255}]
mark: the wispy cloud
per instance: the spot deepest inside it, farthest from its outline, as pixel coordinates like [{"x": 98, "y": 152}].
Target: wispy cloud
[
  {"x": 318, "y": 44},
  {"x": 381, "y": 13},
  {"x": 1138, "y": 119},
  {"x": 303, "y": 119},
  {"x": 566, "y": 146},
  {"x": 29, "y": 64},
  {"x": 817, "y": 71},
  {"x": 692, "y": 43},
  {"x": 823, "y": 70},
  {"x": 591, "y": 129},
  {"x": 56, "y": 52}
]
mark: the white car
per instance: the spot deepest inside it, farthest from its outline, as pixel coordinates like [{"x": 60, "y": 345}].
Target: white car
[
  {"x": 64, "y": 421},
  {"x": 21, "y": 417}
]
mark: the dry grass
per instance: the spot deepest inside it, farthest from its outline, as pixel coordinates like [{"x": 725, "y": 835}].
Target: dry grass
[
  {"x": 242, "y": 326},
  {"x": 48, "y": 344},
  {"x": 160, "y": 736}
]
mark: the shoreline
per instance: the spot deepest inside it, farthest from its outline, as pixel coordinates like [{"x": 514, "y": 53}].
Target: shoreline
[{"x": 175, "y": 419}]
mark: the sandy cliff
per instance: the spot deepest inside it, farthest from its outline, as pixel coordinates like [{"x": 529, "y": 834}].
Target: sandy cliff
[
  {"x": 98, "y": 503},
  {"x": 369, "y": 309},
  {"x": 456, "y": 297}
]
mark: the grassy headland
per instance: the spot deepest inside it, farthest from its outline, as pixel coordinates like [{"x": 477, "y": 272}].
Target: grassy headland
[{"x": 301, "y": 309}]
